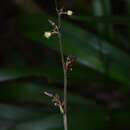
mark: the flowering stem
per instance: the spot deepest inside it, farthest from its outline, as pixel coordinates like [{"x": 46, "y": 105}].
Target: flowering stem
[
  {"x": 64, "y": 68},
  {"x": 65, "y": 73}
]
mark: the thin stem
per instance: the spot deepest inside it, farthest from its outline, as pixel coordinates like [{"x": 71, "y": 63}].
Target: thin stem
[
  {"x": 65, "y": 122},
  {"x": 64, "y": 68},
  {"x": 56, "y": 5},
  {"x": 63, "y": 63},
  {"x": 65, "y": 73}
]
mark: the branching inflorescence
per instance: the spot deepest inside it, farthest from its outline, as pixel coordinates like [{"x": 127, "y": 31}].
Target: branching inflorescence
[{"x": 66, "y": 65}]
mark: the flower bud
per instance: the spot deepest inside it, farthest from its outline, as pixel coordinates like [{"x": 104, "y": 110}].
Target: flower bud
[
  {"x": 69, "y": 12},
  {"x": 47, "y": 34}
]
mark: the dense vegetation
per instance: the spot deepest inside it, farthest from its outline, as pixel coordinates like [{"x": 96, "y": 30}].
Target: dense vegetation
[{"x": 97, "y": 35}]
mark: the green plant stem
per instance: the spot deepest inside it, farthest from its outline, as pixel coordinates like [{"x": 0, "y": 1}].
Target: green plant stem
[
  {"x": 65, "y": 119},
  {"x": 64, "y": 71}
]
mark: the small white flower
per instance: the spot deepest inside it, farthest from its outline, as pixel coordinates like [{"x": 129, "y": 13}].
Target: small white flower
[
  {"x": 47, "y": 34},
  {"x": 69, "y": 12}
]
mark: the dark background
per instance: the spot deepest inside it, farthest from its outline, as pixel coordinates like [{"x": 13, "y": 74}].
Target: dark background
[{"x": 97, "y": 35}]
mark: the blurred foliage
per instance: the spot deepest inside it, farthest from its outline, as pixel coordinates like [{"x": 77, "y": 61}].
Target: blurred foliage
[{"x": 97, "y": 35}]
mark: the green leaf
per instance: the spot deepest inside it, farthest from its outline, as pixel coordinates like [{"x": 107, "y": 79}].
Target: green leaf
[
  {"x": 23, "y": 115},
  {"x": 84, "y": 45},
  {"x": 33, "y": 92},
  {"x": 52, "y": 73}
]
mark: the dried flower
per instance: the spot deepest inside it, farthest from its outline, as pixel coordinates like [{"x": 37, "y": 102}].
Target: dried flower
[
  {"x": 47, "y": 34},
  {"x": 70, "y": 61},
  {"x": 69, "y": 12},
  {"x": 56, "y": 101}
]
